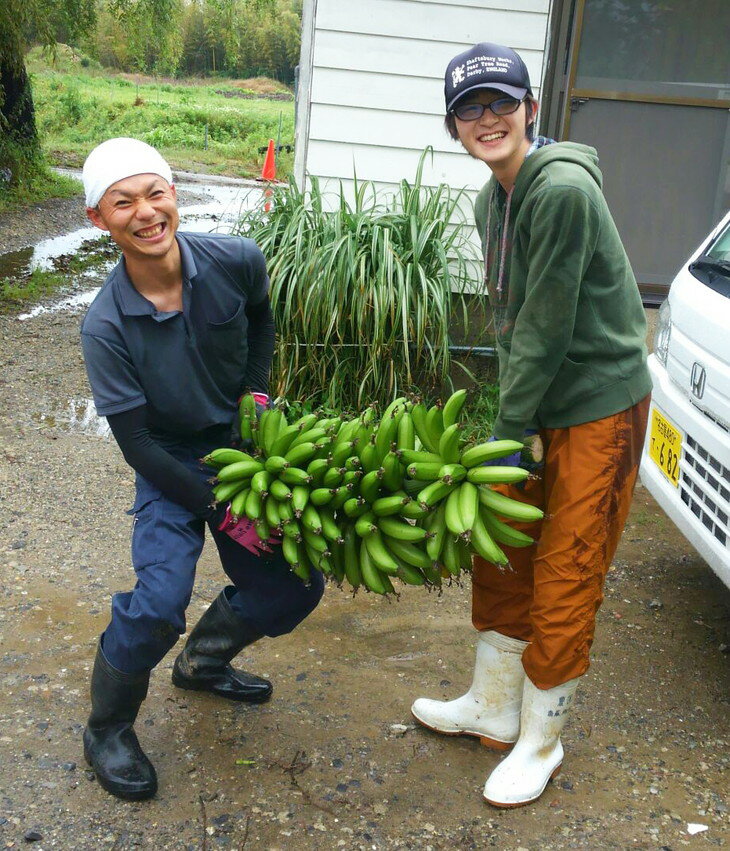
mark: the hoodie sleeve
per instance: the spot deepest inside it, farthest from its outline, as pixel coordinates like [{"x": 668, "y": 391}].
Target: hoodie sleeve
[{"x": 563, "y": 231}]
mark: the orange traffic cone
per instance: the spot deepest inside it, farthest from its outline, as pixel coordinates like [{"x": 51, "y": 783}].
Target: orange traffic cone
[{"x": 269, "y": 170}]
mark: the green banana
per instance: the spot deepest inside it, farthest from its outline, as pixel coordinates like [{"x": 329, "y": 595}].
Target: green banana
[
  {"x": 414, "y": 511},
  {"x": 226, "y": 490},
  {"x": 394, "y": 528},
  {"x": 279, "y": 490},
  {"x": 437, "y": 527},
  {"x": 254, "y": 505},
  {"x": 321, "y": 496},
  {"x": 393, "y": 504},
  {"x": 392, "y": 472},
  {"x": 406, "y": 438},
  {"x": 476, "y": 455},
  {"x": 449, "y": 444},
  {"x": 452, "y": 513},
  {"x": 419, "y": 413},
  {"x": 370, "y": 485},
  {"x": 418, "y": 456},
  {"x": 435, "y": 425},
  {"x": 239, "y": 470},
  {"x": 295, "y": 476},
  {"x": 369, "y": 457},
  {"x": 483, "y": 543},
  {"x": 316, "y": 469},
  {"x": 505, "y": 506},
  {"x": 284, "y": 439},
  {"x": 427, "y": 471},
  {"x": 373, "y": 579},
  {"x": 262, "y": 528},
  {"x": 340, "y": 496},
  {"x": 452, "y": 407},
  {"x": 410, "y": 575},
  {"x": 468, "y": 504},
  {"x": 365, "y": 524},
  {"x": 330, "y": 529},
  {"x": 300, "y": 496},
  {"x": 352, "y": 557},
  {"x": 305, "y": 422},
  {"x": 452, "y": 473},
  {"x": 450, "y": 556},
  {"x": 338, "y": 560},
  {"x": 271, "y": 512},
  {"x": 333, "y": 477},
  {"x": 286, "y": 512},
  {"x": 311, "y": 435},
  {"x": 224, "y": 456},
  {"x": 301, "y": 454},
  {"x": 315, "y": 541},
  {"x": 238, "y": 503},
  {"x": 276, "y": 463},
  {"x": 247, "y": 416},
  {"x": 434, "y": 493},
  {"x": 355, "y": 507},
  {"x": 378, "y": 552},
  {"x": 311, "y": 520},
  {"x": 385, "y": 436},
  {"x": 503, "y": 532},
  {"x": 496, "y": 475},
  {"x": 412, "y": 554},
  {"x": 260, "y": 482}
]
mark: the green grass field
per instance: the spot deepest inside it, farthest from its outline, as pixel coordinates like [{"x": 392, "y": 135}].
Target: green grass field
[{"x": 77, "y": 107}]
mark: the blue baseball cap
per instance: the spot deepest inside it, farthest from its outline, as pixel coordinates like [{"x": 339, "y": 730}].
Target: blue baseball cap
[{"x": 486, "y": 66}]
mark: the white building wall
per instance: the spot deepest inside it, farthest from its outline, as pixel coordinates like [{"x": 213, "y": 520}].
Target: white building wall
[{"x": 371, "y": 84}]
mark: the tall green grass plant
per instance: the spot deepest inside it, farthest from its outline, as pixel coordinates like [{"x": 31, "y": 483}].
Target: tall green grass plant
[{"x": 364, "y": 290}]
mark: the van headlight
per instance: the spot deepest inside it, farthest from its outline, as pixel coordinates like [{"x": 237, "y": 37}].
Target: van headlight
[{"x": 663, "y": 333}]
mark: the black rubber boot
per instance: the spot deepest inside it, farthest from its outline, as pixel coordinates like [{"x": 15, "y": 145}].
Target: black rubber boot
[
  {"x": 110, "y": 743},
  {"x": 204, "y": 665}
]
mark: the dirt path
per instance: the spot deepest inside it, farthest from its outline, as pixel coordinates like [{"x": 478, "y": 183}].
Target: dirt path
[{"x": 333, "y": 761}]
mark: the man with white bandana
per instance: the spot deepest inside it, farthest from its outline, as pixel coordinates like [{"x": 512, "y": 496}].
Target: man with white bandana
[{"x": 180, "y": 329}]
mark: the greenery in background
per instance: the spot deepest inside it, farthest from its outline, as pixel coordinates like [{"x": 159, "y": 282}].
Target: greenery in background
[
  {"x": 39, "y": 183},
  {"x": 364, "y": 292},
  {"x": 78, "y": 107},
  {"x": 234, "y": 38}
]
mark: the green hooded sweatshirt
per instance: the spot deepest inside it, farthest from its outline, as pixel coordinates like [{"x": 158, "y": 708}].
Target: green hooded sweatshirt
[{"x": 569, "y": 322}]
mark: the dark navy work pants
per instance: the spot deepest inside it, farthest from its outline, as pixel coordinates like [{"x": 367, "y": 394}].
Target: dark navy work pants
[{"x": 166, "y": 543}]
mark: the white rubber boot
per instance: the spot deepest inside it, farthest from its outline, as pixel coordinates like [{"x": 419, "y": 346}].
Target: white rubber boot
[
  {"x": 491, "y": 707},
  {"x": 538, "y": 755}
]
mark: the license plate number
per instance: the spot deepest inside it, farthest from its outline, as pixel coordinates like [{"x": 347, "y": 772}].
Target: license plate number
[{"x": 665, "y": 446}]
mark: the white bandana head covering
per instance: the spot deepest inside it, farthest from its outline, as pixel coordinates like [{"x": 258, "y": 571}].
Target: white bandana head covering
[{"x": 116, "y": 159}]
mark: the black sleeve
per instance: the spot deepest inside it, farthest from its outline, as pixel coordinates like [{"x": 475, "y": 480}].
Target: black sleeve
[
  {"x": 261, "y": 337},
  {"x": 149, "y": 459}
]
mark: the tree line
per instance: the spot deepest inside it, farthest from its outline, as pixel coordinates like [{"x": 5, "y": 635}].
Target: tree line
[
  {"x": 241, "y": 38},
  {"x": 235, "y": 38}
]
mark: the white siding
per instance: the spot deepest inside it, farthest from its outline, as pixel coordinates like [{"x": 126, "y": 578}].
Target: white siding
[{"x": 371, "y": 83}]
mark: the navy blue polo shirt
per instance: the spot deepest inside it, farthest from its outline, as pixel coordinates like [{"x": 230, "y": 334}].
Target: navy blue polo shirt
[{"x": 187, "y": 366}]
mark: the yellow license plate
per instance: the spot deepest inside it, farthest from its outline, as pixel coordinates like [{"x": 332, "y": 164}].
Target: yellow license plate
[{"x": 665, "y": 446}]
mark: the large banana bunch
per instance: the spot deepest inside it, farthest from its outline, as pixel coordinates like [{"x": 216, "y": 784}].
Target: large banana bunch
[{"x": 370, "y": 499}]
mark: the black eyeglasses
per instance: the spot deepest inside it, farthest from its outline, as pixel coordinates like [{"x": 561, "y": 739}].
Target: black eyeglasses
[{"x": 472, "y": 111}]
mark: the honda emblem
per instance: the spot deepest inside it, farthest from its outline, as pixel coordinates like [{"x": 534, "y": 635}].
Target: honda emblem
[{"x": 697, "y": 380}]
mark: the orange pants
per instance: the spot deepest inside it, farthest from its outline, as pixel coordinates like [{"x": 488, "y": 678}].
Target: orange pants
[{"x": 552, "y": 593}]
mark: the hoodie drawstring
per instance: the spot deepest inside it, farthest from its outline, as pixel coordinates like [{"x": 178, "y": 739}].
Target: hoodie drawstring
[{"x": 503, "y": 247}]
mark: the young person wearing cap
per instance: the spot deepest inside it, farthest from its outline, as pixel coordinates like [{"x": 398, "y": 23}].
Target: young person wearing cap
[
  {"x": 574, "y": 386},
  {"x": 181, "y": 327}
]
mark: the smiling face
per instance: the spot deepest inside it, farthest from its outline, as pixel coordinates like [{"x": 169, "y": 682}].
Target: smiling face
[
  {"x": 500, "y": 141},
  {"x": 140, "y": 214}
]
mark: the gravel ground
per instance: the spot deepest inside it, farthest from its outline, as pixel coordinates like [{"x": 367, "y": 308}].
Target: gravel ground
[{"x": 334, "y": 760}]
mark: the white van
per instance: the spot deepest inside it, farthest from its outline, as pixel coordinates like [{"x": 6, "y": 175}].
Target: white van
[{"x": 686, "y": 459}]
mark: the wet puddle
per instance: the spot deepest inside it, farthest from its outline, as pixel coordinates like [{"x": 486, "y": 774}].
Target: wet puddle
[
  {"x": 206, "y": 206},
  {"x": 77, "y": 416}
]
